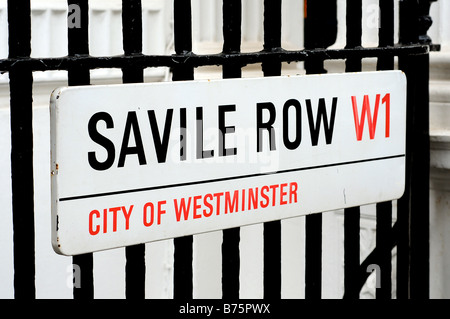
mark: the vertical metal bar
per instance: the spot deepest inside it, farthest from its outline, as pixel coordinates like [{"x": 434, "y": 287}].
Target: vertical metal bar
[
  {"x": 132, "y": 45},
  {"x": 21, "y": 95},
  {"x": 413, "y": 207},
  {"x": 352, "y": 215},
  {"x": 318, "y": 34},
  {"x": 413, "y": 249},
  {"x": 407, "y": 34},
  {"x": 272, "y": 35},
  {"x": 183, "y": 246},
  {"x": 351, "y": 252},
  {"x": 132, "y": 38},
  {"x": 403, "y": 209},
  {"x": 230, "y": 263},
  {"x": 232, "y": 16},
  {"x": 320, "y": 30},
  {"x": 384, "y": 210},
  {"x": 413, "y": 212},
  {"x": 354, "y": 33},
  {"x": 182, "y": 276},
  {"x": 78, "y": 44},
  {"x": 183, "y": 37},
  {"x": 386, "y": 33},
  {"x": 420, "y": 186},
  {"x": 272, "y": 230},
  {"x": 313, "y": 256},
  {"x": 383, "y": 244}
]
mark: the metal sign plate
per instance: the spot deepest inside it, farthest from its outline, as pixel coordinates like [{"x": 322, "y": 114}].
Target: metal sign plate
[{"x": 137, "y": 163}]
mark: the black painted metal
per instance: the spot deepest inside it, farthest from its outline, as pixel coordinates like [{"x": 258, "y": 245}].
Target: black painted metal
[
  {"x": 183, "y": 250},
  {"x": 384, "y": 210},
  {"x": 313, "y": 256},
  {"x": 78, "y": 45},
  {"x": 232, "y": 16},
  {"x": 383, "y": 239},
  {"x": 413, "y": 207},
  {"x": 351, "y": 252},
  {"x": 191, "y": 60},
  {"x": 132, "y": 45},
  {"x": 352, "y": 215},
  {"x": 413, "y": 214},
  {"x": 272, "y": 230},
  {"x": 21, "y": 83},
  {"x": 410, "y": 233}
]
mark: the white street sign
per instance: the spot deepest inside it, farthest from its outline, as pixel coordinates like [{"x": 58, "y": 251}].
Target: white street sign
[{"x": 137, "y": 163}]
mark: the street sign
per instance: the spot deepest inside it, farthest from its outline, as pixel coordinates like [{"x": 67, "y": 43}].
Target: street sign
[{"x": 137, "y": 163}]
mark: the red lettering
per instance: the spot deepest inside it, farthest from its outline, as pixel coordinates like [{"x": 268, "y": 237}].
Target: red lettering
[
  {"x": 217, "y": 196},
  {"x": 359, "y": 125},
  {"x": 148, "y": 206},
  {"x": 274, "y": 188},
  {"x": 93, "y": 231},
  {"x": 149, "y": 209},
  {"x": 232, "y": 202},
  {"x": 105, "y": 220},
  {"x": 282, "y": 194},
  {"x": 231, "y": 206},
  {"x": 207, "y": 204},
  {"x": 293, "y": 192},
  {"x": 160, "y": 210},
  {"x": 127, "y": 216},
  {"x": 387, "y": 99},
  {"x": 114, "y": 210},
  {"x": 197, "y": 206},
  {"x": 265, "y": 203},
  {"x": 108, "y": 218},
  {"x": 253, "y": 198},
  {"x": 182, "y": 209}
]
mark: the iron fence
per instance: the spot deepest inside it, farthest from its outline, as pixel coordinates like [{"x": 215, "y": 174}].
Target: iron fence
[{"x": 410, "y": 234}]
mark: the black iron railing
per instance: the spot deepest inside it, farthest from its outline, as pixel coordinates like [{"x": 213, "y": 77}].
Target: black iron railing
[{"x": 410, "y": 233}]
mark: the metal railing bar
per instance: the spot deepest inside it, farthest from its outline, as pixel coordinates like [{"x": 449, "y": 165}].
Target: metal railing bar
[
  {"x": 78, "y": 44},
  {"x": 313, "y": 256},
  {"x": 22, "y": 188},
  {"x": 351, "y": 251},
  {"x": 383, "y": 239},
  {"x": 232, "y": 18},
  {"x": 384, "y": 210},
  {"x": 413, "y": 251},
  {"x": 414, "y": 248},
  {"x": 183, "y": 246},
  {"x": 352, "y": 215},
  {"x": 386, "y": 33},
  {"x": 191, "y": 60},
  {"x": 272, "y": 230},
  {"x": 132, "y": 44}
]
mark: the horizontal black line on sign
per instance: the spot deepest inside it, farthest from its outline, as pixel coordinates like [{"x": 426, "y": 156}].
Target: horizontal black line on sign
[
  {"x": 195, "y": 60},
  {"x": 225, "y": 178}
]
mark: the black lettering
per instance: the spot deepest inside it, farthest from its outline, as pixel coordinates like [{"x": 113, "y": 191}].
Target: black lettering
[
  {"x": 161, "y": 145},
  {"x": 183, "y": 134},
  {"x": 321, "y": 116},
  {"x": 224, "y": 130},
  {"x": 200, "y": 152},
  {"x": 101, "y": 140},
  {"x": 260, "y": 126},
  {"x": 132, "y": 123},
  {"x": 298, "y": 124}
]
